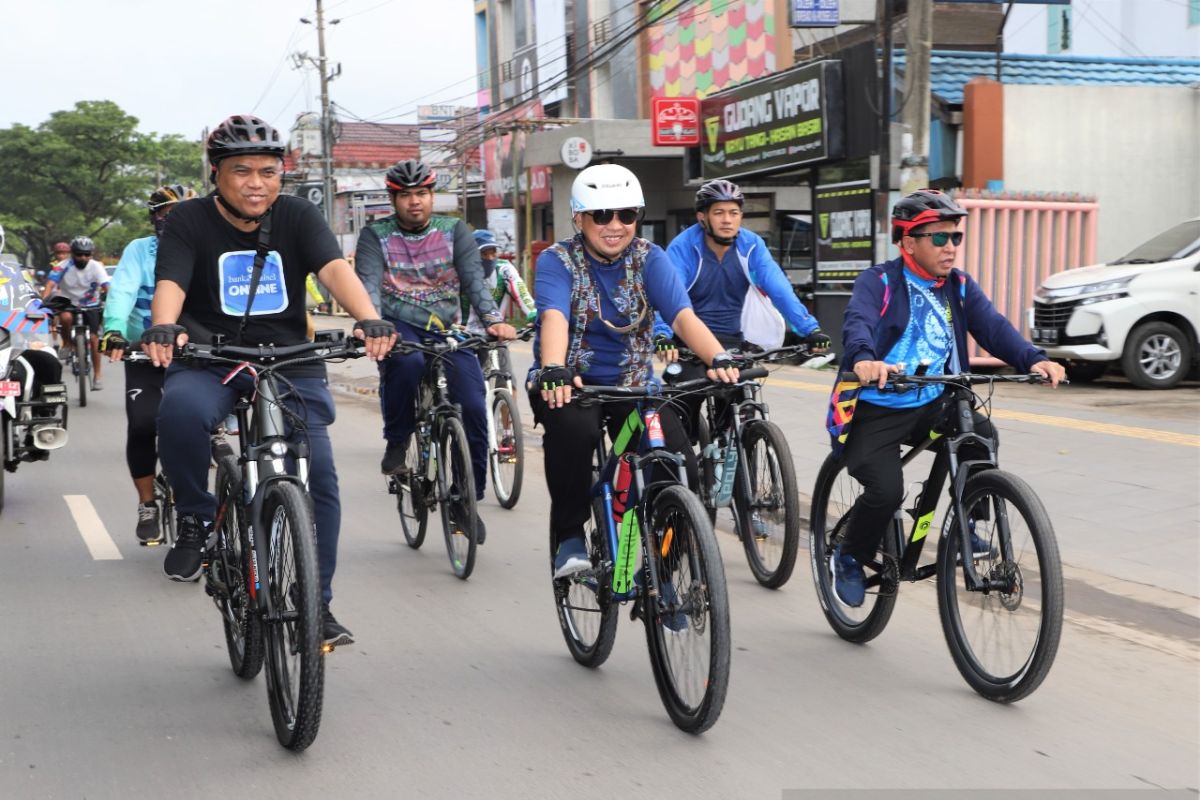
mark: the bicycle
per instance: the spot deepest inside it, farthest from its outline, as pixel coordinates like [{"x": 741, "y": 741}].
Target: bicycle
[
  {"x": 746, "y": 465},
  {"x": 677, "y": 588},
  {"x": 79, "y": 354},
  {"x": 261, "y": 566},
  {"x": 437, "y": 460},
  {"x": 506, "y": 440},
  {"x": 1013, "y": 593}
]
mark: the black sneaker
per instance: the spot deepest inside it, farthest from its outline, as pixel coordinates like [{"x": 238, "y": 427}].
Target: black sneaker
[
  {"x": 186, "y": 557},
  {"x": 480, "y": 530},
  {"x": 334, "y": 633},
  {"x": 148, "y": 531},
  {"x": 393, "y": 458}
]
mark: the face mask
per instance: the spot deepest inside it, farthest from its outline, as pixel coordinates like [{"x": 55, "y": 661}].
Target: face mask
[
  {"x": 159, "y": 224},
  {"x": 489, "y": 266}
]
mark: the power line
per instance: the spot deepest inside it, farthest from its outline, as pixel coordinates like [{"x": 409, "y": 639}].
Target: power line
[{"x": 278, "y": 67}]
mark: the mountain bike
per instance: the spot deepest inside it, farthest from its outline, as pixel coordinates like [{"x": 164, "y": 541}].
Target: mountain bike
[
  {"x": 506, "y": 440},
  {"x": 746, "y": 465},
  {"x": 79, "y": 354},
  {"x": 1001, "y": 612},
  {"x": 437, "y": 460},
  {"x": 660, "y": 554},
  {"x": 261, "y": 566}
]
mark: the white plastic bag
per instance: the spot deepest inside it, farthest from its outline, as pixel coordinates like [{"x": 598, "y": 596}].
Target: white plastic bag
[{"x": 761, "y": 323}]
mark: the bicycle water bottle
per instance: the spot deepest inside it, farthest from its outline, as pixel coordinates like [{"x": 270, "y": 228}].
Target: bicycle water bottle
[
  {"x": 654, "y": 431},
  {"x": 628, "y": 533}
]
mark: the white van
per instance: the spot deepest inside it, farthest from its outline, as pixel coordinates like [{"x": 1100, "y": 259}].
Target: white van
[{"x": 1142, "y": 310}]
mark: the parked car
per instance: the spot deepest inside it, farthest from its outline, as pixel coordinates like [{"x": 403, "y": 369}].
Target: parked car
[{"x": 1141, "y": 312}]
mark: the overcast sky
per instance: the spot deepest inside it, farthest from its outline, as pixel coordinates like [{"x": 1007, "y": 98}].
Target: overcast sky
[{"x": 181, "y": 65}]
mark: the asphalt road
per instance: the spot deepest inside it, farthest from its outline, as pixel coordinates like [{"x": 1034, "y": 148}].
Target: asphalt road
[{"x": 114, "y": 681}]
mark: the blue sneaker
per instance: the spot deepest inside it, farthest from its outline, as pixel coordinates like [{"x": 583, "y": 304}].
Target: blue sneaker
[
  {"x": 571, "y": 557},
  {"x": 980, "y": 547},
  {"x": 849, "y": 580}
]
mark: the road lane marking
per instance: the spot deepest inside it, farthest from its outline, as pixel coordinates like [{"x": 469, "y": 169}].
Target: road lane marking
[
  {"x": 95, "y": 535},
  {"x": 1089, "y": 426}
]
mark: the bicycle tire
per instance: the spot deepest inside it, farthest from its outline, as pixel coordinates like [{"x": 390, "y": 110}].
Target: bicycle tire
[
  {"x": 1036, "y": 572},
  {"x": 295, "y": 665},
  {"x": 771, "y": 544},
  {"x": 833, "y": 495},
  {"x": 456, "y": 497},
  {"x": 587, "y": 614},
  {"x": 83, "y": 371},
  {"x": 691, "y": 561},
  {"x": 412, "y": 497},
  {"x": 707, "y": 474},
  {"x": 506, "y": 454},
  {"x": 230, "y": 567}
]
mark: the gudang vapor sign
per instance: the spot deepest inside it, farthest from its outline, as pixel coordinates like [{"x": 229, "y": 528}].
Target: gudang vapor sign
[{"x": 786, "y": 120}]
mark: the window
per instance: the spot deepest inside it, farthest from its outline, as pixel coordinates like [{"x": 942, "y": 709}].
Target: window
[
  {"x": 1058, "y": 29},
  {"x": 1193, "y": 12}
]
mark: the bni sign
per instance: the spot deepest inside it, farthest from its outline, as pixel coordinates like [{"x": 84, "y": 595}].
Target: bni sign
[
  {"x": 674, "y": 121},
  {"x": 815, "y": 13}
]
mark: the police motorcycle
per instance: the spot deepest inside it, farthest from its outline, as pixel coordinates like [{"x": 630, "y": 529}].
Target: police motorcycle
[{"x": 33, "y": 398}]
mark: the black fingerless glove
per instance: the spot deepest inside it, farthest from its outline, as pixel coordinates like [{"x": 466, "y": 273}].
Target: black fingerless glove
[
  {"x": 113, "y": 340},
  {"x": 663, "y": 343},
  {"x": 722, "y": 361},
  {"x": 818, "y": 340},
  {"x": 374, "y": 328},
  {"x": 553, "y": 376},
  {"x": 164, "y": 335}
]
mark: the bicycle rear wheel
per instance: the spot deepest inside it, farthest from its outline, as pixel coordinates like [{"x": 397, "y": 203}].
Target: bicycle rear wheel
[
  {"x": 587, "y": 613},
  {"x": 687, "y": 624},
  {"x": 295, "y": 667},
  {"x": 456, "y": 494},
  {"x": 768, "y": 510},
  {"x": 1003, "y": 641},
  {"x": 833, "y": 496},
  {"x": 83, "y": 369},
  {"x": 412, "y": 495},
  {"x": 229, "y": 570},
  {"x": 506, "y": 453}
]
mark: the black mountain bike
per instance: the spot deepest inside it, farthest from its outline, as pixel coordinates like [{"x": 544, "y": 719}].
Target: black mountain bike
[
  {"x": 506, "y": 440},
  {"x": 746, "y": 465},
  {"x": 661, "y": 555},
  {"x": 261, "y": 568},
  {"x": 79, "y": 355},
  {"x": 1001, "y": 611},
  {"x": 437, "y": 460}
]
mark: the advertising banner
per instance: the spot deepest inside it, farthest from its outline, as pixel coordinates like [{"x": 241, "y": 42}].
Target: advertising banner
[
  {"x": 675, "y": 121},
  {"x": 815, "y": 13},
  {"x": 787, "y": 120},
  {"x": 845, "y": 234},
  {"x": 498, "y": 154}
]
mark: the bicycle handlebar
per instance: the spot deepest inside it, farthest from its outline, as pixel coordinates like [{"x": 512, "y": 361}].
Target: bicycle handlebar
[
  {"x": 603, "y": 393},
  {"x": 900, "y": 382}
]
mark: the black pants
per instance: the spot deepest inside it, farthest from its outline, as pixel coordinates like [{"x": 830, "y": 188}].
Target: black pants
[
  {"x": 872, "y": 457},
  {"x": 571, "y": 435},
  {"x": 143, "y": 393}
]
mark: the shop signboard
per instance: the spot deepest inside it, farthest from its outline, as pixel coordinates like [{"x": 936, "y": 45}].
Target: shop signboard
[
  {"x": 675, "y": 121},
  {"x": 845, "y": 226},
  {"x": 815, "y": 13},
  {"x": 772, "y": 124}
]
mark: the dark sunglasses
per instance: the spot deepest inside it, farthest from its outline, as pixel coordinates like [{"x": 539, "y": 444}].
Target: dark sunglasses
[
  {"x": 603, "y": 216},
  {"x": 940, "y": 238}
]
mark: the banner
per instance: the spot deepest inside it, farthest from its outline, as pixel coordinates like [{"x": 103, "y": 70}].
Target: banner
[
  {"x": 498, "y": 155},
  {"x": 844, "y": 216}
]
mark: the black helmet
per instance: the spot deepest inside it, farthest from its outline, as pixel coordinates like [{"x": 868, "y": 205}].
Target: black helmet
[
  {"x": 719, "y": 191},
  {"x": 922, "y": 207},
  {"x": 409, "y": 175},
  {"x": 82, "y": 246},
  {"x": 169, "y": 194},
  {"x": 243, "y": 135}
]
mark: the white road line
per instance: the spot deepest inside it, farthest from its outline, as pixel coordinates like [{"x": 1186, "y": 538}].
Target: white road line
[{"x": 95, "y": 535}]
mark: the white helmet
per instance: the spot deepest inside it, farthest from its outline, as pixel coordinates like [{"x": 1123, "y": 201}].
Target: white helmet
[{"x": 606, "y": 186}]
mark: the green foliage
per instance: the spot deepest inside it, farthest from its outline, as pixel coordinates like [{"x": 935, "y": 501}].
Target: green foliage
[{"x": 87, "y": 171}]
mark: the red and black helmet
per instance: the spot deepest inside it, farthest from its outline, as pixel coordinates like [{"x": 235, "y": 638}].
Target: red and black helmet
[
  {"x": 409, "y": 174},
  {"x": 921, "y": 208},
  {"x": 243, "y": 135}
]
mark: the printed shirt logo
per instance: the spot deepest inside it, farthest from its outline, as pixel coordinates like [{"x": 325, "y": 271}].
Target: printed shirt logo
[{"x": 234, "y": 270}]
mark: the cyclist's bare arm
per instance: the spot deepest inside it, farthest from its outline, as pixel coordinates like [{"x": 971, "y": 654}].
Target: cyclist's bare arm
[
  {"x": 165, "y": 309},
  {"x": 339, "y": 278}
]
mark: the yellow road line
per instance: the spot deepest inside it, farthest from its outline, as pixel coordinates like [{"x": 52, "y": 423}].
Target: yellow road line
[{"x": 1146, "y": 434}]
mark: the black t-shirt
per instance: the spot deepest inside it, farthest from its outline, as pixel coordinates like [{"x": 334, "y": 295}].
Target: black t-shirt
[{"x": 211, "y": 261}]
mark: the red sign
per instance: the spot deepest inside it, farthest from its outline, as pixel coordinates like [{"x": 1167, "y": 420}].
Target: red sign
[
  {"x": 675, "y": 121},
  {"x": 10, "y": 389}
]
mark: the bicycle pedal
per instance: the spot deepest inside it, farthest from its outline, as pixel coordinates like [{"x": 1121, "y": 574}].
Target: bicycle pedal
[{"x": 151, "y": 543}]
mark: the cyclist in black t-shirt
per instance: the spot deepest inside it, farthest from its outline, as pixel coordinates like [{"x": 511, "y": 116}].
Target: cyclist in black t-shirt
[{"x": 202, "y": 278}]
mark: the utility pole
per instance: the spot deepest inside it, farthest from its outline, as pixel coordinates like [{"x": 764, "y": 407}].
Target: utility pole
[
  {"x": 883, "y": 180},
  {"x": 326, "y": 118},
  {"x": 914, "y": 162}
]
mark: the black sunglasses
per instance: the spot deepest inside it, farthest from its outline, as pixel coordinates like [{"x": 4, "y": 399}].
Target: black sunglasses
[
  {"x": 603, "y": 216},
  {"x": 940, "y": 238}
]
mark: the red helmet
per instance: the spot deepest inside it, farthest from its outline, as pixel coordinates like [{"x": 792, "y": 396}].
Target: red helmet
[
  {"x": 922, "y": 207},
  {"x": 62, "y": 247}
]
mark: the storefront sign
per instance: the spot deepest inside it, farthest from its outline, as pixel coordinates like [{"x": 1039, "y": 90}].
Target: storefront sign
[
  {"x": 783, "y": 121},
  {"x": 675, "y": 121},
  {"x": 845, "y": 234},
  {"x": 576, "y": 152},
  {"x": 815, "y": 13}
]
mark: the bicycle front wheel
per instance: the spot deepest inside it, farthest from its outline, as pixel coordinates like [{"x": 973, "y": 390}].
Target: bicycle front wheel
[
  {"x": 506, "y": 452},
  {"x": 833, "y": 497},
  {"x": 687, "y": 624},
  {"x": 456, "y": 494},
  {"x": 1003, "y": 640},
  {"x": 768, "y": 509},
  {"x": 412, "y": 495},
  {"x": 295, "y": 666},
  {"x": 587, "y": 613},
  {"x": 83, "y": 369},
  {"x": 229, "y": 570}
]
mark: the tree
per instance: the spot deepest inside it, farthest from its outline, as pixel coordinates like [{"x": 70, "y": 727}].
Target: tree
[{"x": 87, "y": 171}]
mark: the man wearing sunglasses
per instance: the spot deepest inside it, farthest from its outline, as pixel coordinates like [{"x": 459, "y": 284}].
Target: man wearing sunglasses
[
  {"x": 597, "y": 295},
  {"x": 911, "y": 311}
]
